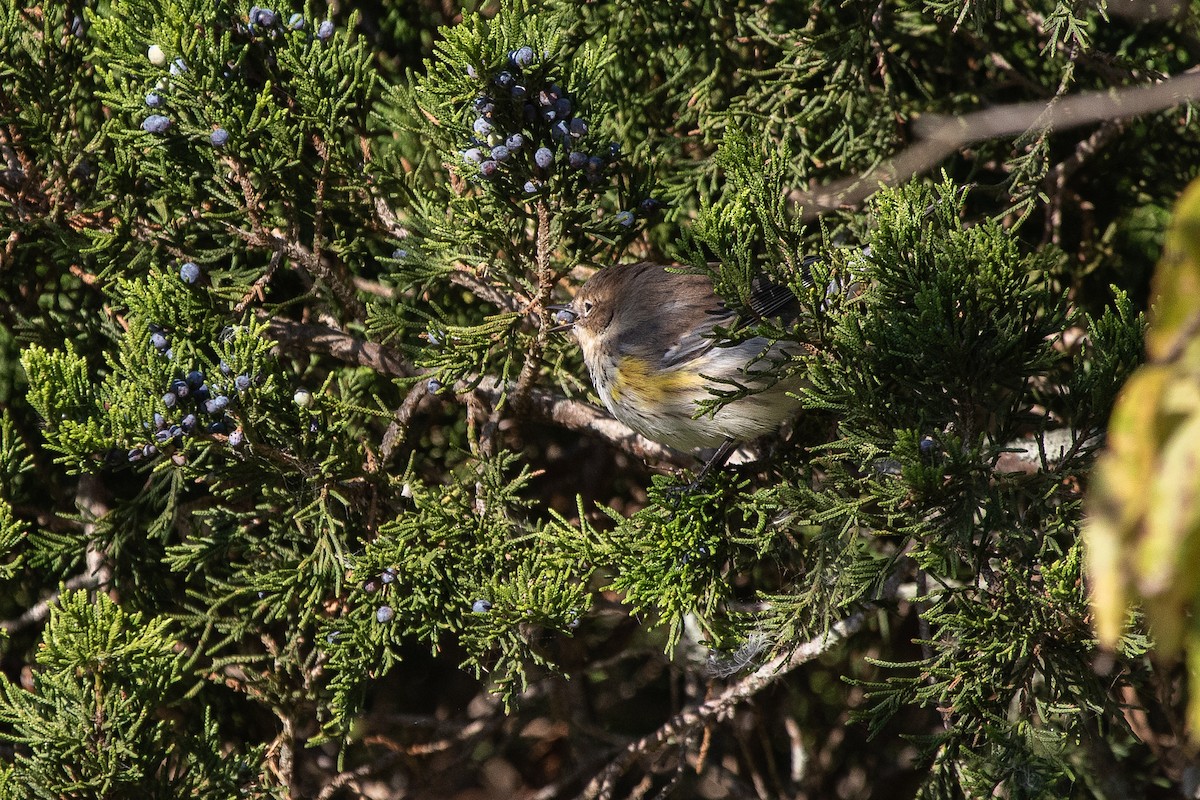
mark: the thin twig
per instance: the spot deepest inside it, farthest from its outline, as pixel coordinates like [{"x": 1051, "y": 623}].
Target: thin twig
[
  {"x": 601, "y": 787},
  {"x": 373, "y": 767},
  {"x": 1055, "y": 182},
  {"x": 38, "y": 612},
  {"x": 331, "y": 272},
  {"x": 545, "y": 285}
]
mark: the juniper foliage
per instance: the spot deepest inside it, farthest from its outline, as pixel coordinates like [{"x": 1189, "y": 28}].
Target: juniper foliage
[{"x": 298, "y": 486}]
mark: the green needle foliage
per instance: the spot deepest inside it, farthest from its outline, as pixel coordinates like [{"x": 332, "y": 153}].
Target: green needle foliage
[{"x": 303, "y": 495}]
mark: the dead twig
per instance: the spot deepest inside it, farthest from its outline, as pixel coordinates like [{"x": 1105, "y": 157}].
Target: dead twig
[{"x": 942, "y": 135}]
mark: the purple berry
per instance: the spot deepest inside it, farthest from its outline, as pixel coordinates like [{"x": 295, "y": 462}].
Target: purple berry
[
  {"x": 325, "y": 30},
  {"x": 562, "y": 106},
  {"x": 384, "y": 614},
  {"x": 242, "y": 382},
  {"x": 434, "y": 386},
  {"x": 560, "y": 131},
  {"x": 225, "y": 370},
  {"x": 544, "y": 157},
  {"x": 577, "y": 159},
  {"x": 219, "y": 137},
  {"x": 296, "y": 22},
  {"x": 158, "y": 341},
  {"x": 481, "y": 607},
  {"x": 577, "y": 127},
  {"x": 474, "y": 155},
  {"x": 488, "y": 168},
  {"x": 179, "y": 388},
  {"x": 178, "y": 67},
  {"x": 504, "y": 79},
  {"x": 482, "y": 127},
  {"x": 149, "y": 451},
  {"x": 159, "y": 420},
  {"x": 625, "y": 219},
  {"x": 217, "y": 427},
  {"x": 169, "y": 399},
  {"x": 484, "y": 105},
  {"x": 514, "y": 142},
  {"x": 154, "y": 100},
  {"x": 195, "y": 379},
  {"x": 530, "y": 187},
  {"x": 156, "y": 123},
  {"x": 399, "y": 254},
  {"x": 518, "y": 92},
  {"x": 649, "y": 205},
  {"x": 135, "y": 454},
  {"x": 188, "y": 423},
  {"x": 388, "y": 575},
  {"x": 595, "y": 164},
  {"x": 237, "y": 438},
  {"x": 266, "y": 17},
  {"x": 500, "y": 153},
  {"x": 370, "y": 587},
  {"x": 162, "y": 436},
  {"x": 189, "y": 273}
]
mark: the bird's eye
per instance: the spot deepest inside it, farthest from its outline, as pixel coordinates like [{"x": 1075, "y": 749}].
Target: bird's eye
[{"x": 587, "y": 307}]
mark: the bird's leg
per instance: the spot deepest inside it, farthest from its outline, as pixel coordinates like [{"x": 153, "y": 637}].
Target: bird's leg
[{"x": 716, "y": 462}]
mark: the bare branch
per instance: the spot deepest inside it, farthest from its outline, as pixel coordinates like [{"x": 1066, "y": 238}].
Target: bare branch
[
  {"x": 89, "y": 499},
  {"x": 578, "y": 416},
  {"x": 540, "y": 404},
  {"x": 682, "y": 724},
  {"x": 942, "y": 135},
  {"x": 312, "y": 338}
]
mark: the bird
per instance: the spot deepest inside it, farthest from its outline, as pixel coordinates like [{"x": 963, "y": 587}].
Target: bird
[{"x": 647, "y": 332}]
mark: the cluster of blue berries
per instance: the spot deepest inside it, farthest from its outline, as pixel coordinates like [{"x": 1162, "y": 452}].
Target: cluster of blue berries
[
  {"x": 526, "y": 129},
  {"x": 260, "y": 22},
  {"x": 378, "y": 583},
  {"x": 267, "y": 22},
  {"x": 200, "y": 408}
]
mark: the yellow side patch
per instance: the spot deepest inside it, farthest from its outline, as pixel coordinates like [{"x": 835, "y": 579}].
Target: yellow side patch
[{"x": 634, "y": 375}]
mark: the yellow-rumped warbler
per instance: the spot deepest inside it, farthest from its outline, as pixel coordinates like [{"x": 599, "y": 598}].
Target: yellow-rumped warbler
[{"x": 647, "y": 338}]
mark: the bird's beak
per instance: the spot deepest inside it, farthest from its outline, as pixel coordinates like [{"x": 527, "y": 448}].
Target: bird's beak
[{"x": 564, "y": 316}]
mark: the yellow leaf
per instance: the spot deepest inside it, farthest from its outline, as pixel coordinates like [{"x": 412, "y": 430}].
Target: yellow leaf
[
  {"x": 1175, "y": 318},
  {"x": 1171, "y": 534},
  {"x": 1104, "y": 554}
]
